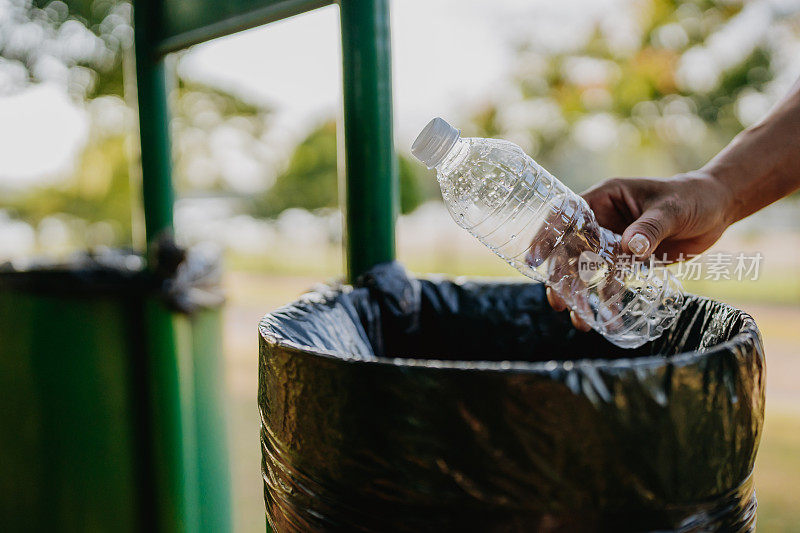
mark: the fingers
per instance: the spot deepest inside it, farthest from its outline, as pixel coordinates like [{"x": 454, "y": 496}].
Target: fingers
[
  {"x": 555, "y": 300},
  {"x": 608, "y": 202},
  {"x": 578, "y": 323},
  {"x": 646, "y": 232},
  {"x": 645, "y": 211},
  {"x": 558, "y": 305}
]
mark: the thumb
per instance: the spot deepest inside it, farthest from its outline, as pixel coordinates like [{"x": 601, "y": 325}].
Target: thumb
[{"x": 644, "y": 235}]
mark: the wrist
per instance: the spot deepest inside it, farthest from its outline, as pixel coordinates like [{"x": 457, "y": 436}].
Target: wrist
[
  {"x": 741, "y": 174},
  {"x": 717, "y": 191}
]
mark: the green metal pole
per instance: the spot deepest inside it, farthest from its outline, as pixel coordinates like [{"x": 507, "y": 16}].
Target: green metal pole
[
  {"x": 370, "y": 162},
  {"x": 169, "y": 405},
  {"x": 156, "y": 151}
]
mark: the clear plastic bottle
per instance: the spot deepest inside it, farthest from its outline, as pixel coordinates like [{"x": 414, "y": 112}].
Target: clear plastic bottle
[{"x": 547, "y": 232}]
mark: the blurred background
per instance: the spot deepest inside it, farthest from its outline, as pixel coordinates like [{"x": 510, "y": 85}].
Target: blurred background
[{"x": 590, "y": 88}]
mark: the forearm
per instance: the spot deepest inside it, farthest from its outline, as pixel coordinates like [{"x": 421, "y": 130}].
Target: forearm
[{"x": 762, "y": 164}]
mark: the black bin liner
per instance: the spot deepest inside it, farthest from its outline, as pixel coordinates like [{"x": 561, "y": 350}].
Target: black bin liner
[{"x": 430, "y": 405}]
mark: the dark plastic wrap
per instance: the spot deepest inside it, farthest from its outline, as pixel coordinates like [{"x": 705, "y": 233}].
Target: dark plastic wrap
[
  {"x": 431, "y": 405},
  {"x": 186, "y": 280}
]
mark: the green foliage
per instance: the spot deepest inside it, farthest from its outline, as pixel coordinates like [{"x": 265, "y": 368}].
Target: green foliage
[
  {"x": 641, "y": 91},
  {"x": 752, "y": 73},
  {"x": 101, "y": 192},
  {"x": 201, "y": 115},
  {"x": 93, "y": 70},
  {"x": 193, "y": 97},
  {"x": 310, "y": 180},
  {"x": 99, "y": 188},
  {"x": 682, "y": 123},
  {"x": 411, "y": 191}
]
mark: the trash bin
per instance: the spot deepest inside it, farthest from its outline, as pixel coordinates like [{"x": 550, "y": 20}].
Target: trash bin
[
  {"x": 87, "y": 396},
  {"x": 407, "y": 404}
]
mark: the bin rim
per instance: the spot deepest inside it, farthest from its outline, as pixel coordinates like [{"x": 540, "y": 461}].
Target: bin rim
[{"x": 749, "y": 334}]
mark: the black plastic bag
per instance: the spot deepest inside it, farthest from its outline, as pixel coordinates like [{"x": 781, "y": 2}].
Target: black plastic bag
[{"x": 432, "y": 405}]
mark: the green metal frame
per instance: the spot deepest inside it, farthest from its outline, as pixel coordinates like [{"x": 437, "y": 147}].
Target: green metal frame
[
  {"x": 181, "y": 438},
  {"x": 370, "y": 161},
  {"x": 175, "y": 476},
  {"x": 188, "y": 22}
]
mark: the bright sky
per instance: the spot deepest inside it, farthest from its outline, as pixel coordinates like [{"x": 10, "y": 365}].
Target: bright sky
[{"x": 40, "y": 133}]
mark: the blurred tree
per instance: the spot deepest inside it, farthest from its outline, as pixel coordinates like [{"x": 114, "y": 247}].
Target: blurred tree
[
  {"x": 80, "y": 44},
  {"x": 219, "y": 140},
  {"x": 412, "y": 193},
  {"x": 310, "y": 179},
  {"x": 99, "y": 189},
  {"x": 656, "y": 87},
  {"x": 100, "y": 193}
]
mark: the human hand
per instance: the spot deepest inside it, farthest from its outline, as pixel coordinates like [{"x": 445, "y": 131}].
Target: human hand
[{"x": 684, "y": 214}]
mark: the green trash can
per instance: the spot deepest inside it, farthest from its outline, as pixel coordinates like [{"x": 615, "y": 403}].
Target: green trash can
[{"x": 112, "y": 394}]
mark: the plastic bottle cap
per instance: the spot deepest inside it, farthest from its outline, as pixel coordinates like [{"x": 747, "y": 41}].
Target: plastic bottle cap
[{"x": 434, "y": 141}]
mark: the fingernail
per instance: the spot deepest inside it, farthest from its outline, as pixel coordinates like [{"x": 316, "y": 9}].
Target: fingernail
[
  {"x": 577, "y": 322},
  {"x": 639, "y": 244}
]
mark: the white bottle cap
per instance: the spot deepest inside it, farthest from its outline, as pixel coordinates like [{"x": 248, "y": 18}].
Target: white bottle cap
[{"x": 435, "y": 140}]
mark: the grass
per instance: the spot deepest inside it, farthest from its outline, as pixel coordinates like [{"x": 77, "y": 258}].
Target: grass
[
  {"x": 778, "y": 471},
  {"x": 774, "y": 286},
  {"x": 782, "y": 288}
]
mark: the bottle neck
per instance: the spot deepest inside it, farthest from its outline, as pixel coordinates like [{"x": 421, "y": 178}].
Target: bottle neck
[{"x": 454, "y": 157}]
